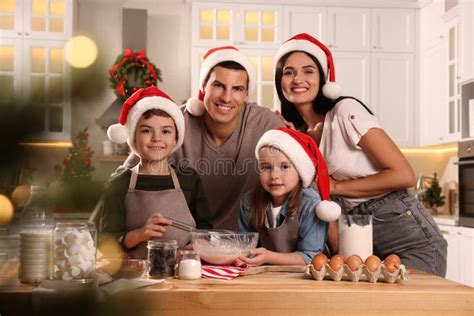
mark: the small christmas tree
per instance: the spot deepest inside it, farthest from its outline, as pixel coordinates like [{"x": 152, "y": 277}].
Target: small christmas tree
[
  {"x": 77, "y": 167},
  {"x": 433, "y": 196}
]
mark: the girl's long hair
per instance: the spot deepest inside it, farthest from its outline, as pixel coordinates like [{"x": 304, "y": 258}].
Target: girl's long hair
[
  {"x": 321, "y": 104},
  {"x": 261, "y": 202}
]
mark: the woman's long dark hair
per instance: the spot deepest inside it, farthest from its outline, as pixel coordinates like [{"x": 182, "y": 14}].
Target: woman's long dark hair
[{"x": 321, "y": 104}]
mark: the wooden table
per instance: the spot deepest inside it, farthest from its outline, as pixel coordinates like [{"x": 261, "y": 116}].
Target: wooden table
[{"x": 284, "y": 294}]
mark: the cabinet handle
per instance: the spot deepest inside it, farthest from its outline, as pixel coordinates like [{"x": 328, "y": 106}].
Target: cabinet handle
[
  {"x": 332, "y": 46},
  {"x": 444, "y": 232},
  {"x": 459, "y": 233},
  {"x": 27, "y": 34},
  {"x": 441, "y": 36},
  {"x": 19, "y": 33}
]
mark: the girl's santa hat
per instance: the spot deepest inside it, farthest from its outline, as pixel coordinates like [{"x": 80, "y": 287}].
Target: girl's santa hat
[
  {"x": 214, "y": 56},
  {"x": 142, "y": 100},
  {"x": 305, "y": 156},
  {"x": 308, "y": 44}
]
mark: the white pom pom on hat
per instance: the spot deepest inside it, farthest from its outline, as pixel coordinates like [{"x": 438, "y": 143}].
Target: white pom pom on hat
[
  {"x": 214, "y": 56},
  {"x": 138, "y": 103},
  {"x": 308, "y": 44},
  {"x": 305, "y": 156}
]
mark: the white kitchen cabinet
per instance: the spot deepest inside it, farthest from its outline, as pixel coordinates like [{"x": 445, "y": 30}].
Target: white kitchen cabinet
[
  {"x": 466, "y": 259},
  {"x": 249, "y": 25},
  {"x": 303, "y": 19},
  {"x": 450, "y": 233},
  {"x": 392, "y": 95},
  {"x": 33, "y": 68},
  {"x": 348, "y": 29},
  {"x": 46, "y": 19},
  {"x": 353, "y": 74},
  {"x": 434, "y": 93},
  {"x": 393, "y": 30}
]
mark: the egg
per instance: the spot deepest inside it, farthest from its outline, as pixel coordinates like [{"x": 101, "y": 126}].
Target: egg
[
  {"x": 393, "y": 257},
  {"x": 392, "y": 266},
  {"x": 372, "y": 263},
  {"x": 319, "y": 261},
  {"x": 354, "y": 262},
  {"x": 336, "y": 262}
]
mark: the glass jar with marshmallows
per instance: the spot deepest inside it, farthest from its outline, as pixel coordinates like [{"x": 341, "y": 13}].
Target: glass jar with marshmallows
[{"x": 74, "y": 252}]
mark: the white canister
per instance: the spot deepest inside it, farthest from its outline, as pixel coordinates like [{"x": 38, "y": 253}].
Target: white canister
[{"x": 355, "y": 236}]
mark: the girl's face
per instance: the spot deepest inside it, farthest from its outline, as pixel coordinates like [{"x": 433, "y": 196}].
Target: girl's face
[
  {"x": 278, "y": 176},
  {"x": 300, "y": 80},
  {"x": 155, "y": 138}
]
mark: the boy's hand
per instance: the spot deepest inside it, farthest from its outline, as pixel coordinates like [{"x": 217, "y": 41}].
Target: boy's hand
[{"x": 154, "y": 227}]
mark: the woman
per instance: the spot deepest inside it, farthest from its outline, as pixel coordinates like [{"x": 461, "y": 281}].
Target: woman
[{"x": 369, "y": 174}]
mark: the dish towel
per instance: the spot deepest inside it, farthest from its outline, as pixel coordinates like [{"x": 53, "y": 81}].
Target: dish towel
[{"x": 223, "y": 272}]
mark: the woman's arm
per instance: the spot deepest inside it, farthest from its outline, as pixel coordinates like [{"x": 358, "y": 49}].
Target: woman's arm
[
  {"x": 262, "y": 256},
  {"x": 396, "y": 173}
]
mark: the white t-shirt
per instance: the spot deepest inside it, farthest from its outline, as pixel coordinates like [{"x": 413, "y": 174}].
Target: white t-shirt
[
  {"x": 274, "y": 211},
  {"x": 343, "y": 128}
]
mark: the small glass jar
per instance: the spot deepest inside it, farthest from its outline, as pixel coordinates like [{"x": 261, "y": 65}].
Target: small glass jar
[
  {"x": 355, "y": 236},
  {"x": 36, "y": 232},
  {"x": 162, "y": 258},
  {"x": 189, "y": 266},
  {"x": 74, "y": 251}
]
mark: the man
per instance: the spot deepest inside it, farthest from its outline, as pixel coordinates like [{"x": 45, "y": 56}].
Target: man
[{"x": 222, "y": 130}]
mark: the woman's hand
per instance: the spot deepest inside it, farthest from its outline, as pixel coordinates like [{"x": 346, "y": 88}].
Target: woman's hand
[
  {"x": 332, "y": 186},
  {"x": 287, "y": 124},
  {"x": 154, "y": 227},
  {"x": 260, "y": 256}
]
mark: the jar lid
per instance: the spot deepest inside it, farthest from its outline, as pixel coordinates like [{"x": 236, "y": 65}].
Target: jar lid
[{"x": 162, "y": 244}]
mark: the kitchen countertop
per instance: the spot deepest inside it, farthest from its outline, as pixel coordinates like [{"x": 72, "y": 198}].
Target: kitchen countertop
[
  {"x": 284, "y": 293},
  {"x": 450, "y": 220}
]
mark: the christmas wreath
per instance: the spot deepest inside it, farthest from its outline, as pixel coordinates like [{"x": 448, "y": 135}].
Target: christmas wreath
[{"x": 132, "y": 71}]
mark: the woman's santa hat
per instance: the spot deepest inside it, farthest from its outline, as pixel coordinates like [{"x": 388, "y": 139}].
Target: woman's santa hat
[
  {"x": 214, "y": 56},
  {"x": 305, "y": 156},
  {"x": 308, "y": 44},
  {"x": 142, "y": 100}
]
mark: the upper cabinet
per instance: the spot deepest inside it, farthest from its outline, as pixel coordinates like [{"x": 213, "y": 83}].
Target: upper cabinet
[
  {"x": 348, "y": 29},
  {"x": 241, "y": 25},
  {"x": 33, "y": 67},
  {"x": 304, "y": 19},
  {"x": 393, "y": 30},
  {"x": 37, "y": 19}
]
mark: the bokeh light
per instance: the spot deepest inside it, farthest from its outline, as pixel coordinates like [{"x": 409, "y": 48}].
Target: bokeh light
[
  {"x": 81, "y": 52},
  {"x": 6, "y": 210}
]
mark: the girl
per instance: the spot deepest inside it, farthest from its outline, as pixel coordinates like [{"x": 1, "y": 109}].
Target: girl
[
  {"x": 137, "y": 200},
  {"x": 282, "y": 207},
  {"x": 368, "y": 172}
]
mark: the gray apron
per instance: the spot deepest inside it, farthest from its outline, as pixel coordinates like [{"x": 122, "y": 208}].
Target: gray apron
[
  {"x": 140, "y": 205},
  {"x": 283, "y": 238}
]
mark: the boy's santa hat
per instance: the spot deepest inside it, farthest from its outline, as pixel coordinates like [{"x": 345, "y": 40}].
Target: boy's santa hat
[
  {"x": 214, "y": 56},
  {"x": 142, "y": 100},
  {"x": 308, "y": 44},
  {"x": 305, "y": 156}
]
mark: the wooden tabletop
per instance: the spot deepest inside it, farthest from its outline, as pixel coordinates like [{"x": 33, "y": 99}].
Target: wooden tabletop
[
  {"x": 296, "y": 294},
  {"x": 283, "y": 293}
]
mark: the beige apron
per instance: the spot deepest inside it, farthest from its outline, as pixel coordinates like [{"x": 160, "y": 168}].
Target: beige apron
[
  {"x": 283, "y": 238},
  {"x": 140, "y": 205}
]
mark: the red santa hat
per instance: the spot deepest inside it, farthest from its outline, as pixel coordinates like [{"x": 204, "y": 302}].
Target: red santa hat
[
  {"x": 142, "y": 100},
  {"x": 214, "y": 56},
  {"x": 305, "y": 156},
  {"x": 308, "y": 44}
]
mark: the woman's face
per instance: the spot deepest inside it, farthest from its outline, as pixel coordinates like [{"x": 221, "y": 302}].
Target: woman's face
[{"x": 300, "y": 80}]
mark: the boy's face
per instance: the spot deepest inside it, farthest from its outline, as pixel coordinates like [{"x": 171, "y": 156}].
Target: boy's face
[
  {"x": 155, "y": 138},
  {"x": 225, "y": 94}
]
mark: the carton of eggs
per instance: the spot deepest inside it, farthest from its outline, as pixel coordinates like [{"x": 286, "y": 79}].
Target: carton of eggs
[
  {"x": 354, "y": 268},
  {"x": 74, "y": 252}
]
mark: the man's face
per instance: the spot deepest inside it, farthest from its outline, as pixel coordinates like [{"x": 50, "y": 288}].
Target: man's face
[{"x": 225, "y": 94}]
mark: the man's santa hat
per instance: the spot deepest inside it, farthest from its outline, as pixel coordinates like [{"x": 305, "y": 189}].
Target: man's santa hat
[
  {"x": 305, "y": 156},
  {"x": 142, "y": 100},
  {"x": 214, "y": 56},
  {"x": 308, "y": 44}
]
